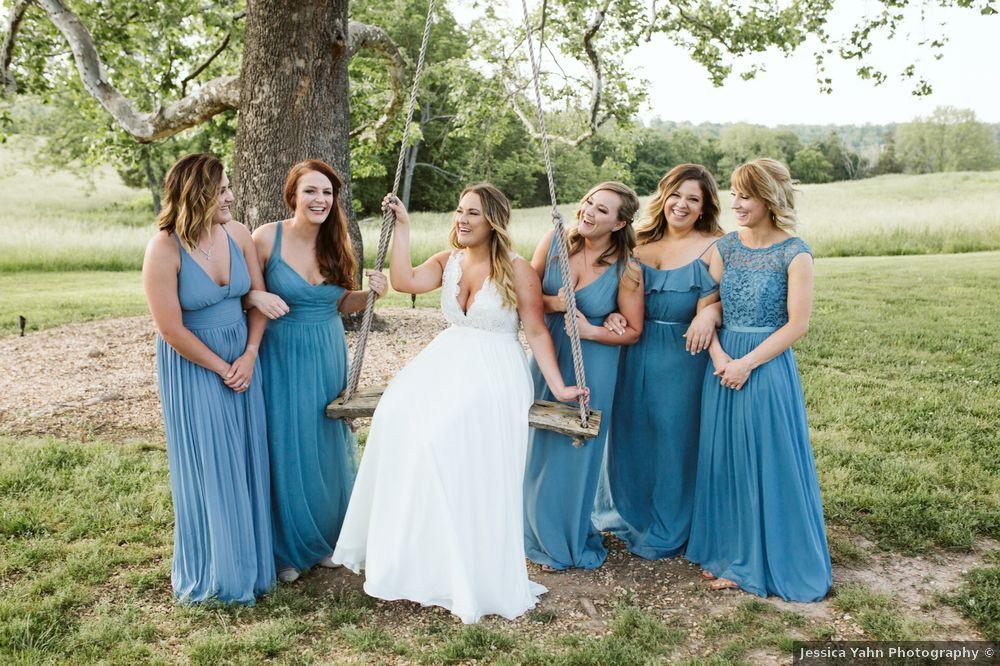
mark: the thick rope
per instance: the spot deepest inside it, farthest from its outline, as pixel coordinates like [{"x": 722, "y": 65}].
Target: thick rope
[
  {"x": 388, "y": 217},
  {"x": 560, "y": 227}
]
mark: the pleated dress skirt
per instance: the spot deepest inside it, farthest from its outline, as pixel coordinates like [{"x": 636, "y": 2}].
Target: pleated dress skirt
[{"x": 758, "y": 515}]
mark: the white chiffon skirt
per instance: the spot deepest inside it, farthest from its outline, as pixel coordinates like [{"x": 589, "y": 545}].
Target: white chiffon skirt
[{"x": 436, "y": 512}]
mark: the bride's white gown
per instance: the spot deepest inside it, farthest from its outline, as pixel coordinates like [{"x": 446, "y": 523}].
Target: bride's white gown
[{"x": 436, "y": 512}]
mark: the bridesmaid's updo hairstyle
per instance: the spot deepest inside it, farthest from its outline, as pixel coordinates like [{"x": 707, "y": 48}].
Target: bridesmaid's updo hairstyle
[
  {"x": 190, "y": 197},
  {"x": 334, "y": 252},
  {"x": 496, "y": 211},
  {"x": 769, "y": 181},
  {"x": 654, "y": 225},
  {"x": 622, "y": 240}
]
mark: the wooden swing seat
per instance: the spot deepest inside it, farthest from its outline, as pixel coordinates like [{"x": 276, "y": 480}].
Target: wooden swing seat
[{"x": 555, "y": 416}]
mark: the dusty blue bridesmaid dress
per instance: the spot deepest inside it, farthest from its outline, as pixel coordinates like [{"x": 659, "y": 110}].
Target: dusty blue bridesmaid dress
[
  {"x": 303, "y": 367},
  {"x": 216, "y": 447},
  {"x": 653, "y": 444},
  {"x": 758, "y": 514},
  {"x": 560, "y": 481}
]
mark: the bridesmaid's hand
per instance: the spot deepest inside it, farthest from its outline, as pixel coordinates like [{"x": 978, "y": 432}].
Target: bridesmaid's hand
[
  {"x": 616, "y": 323},
  {"x": 735, "y": 374},
  {"x": 269, "y": 304},
  {"x": 699, "y": 333},
  {"x": 241, "y": 371},
  {"x": 377, "y": 282},
  {"x": 585, "y": 328}
]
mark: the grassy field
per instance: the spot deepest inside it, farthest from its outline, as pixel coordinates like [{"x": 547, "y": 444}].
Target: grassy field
[
  {"x": 901, "y": 370},
  {"x": 60, "y": 222}
]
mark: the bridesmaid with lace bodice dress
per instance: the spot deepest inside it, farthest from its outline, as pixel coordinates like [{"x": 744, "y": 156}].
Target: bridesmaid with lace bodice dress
[
  {"x": 561, "y": 481},
  {"x": 653, "y": 443},
  {"x": 196, "y": 270},
  {"x": 309, "y": 270},
  {"x": 758, "y": 515},
  {"x": 435, "y": 516}
]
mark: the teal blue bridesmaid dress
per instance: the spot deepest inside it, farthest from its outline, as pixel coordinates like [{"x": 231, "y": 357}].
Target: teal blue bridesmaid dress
[
  {"x": 216, "y": 447},
  {"x": 758, "y": 514},
  {"x": 304, "y": 366},
  {"x": 560, "y": 481},
  {"x": 653, "y": 445}
]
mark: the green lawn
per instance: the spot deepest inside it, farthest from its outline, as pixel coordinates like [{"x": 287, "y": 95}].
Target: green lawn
[
  {"x": 901, "y": 370},
  {"x": 60, "y": 221},
  {"x": 47, "y": 299}
]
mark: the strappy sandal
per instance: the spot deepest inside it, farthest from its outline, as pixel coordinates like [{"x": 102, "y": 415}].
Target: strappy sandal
[
  {"x": 722, "y": 584},
  {"x": 707, "y": 575}
]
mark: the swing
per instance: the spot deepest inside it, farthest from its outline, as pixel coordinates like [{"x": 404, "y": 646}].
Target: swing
[{"x": 577, "y": 422}]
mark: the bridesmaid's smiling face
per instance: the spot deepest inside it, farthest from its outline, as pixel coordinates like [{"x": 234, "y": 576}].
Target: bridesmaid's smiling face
[
  {"x": 750, "y": 211},
  {"x": 313, "y": 197},
  {"x": 599, "y": 214},
  {"x": 223, "y": 213},
  {"x": 683, "y": 208},
  {"x": 471, "y": 226}
]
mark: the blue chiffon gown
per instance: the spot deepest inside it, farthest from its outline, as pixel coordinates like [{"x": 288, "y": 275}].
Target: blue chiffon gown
[
  {"x": 758, "y": 514},
  {"x": 216, "y": 447},
  {"x": 653, "y": 445},
  {"x": 313, "y": 462},
  {"x": 560, "y": 481}
]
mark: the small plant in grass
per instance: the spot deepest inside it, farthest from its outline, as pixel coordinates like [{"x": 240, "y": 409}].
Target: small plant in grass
[
  {"x": 752, "y": 625},
  {"x": 477, "y": 642},
  {"x": 979, "y": 599},
  {"x": 367, "y": 639},
  {"x": 877, "y": 614},
  {"x": 542, "y": 615}
]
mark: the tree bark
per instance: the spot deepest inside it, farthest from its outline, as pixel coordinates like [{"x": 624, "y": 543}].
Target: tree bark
[{"x": 293, "y": 104}]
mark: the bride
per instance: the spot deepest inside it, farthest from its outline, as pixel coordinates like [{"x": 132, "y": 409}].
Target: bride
[{"x": 436, "y": 512}]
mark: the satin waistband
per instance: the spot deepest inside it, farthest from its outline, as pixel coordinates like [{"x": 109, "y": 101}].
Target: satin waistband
[
  {"x": 224, "y": 313},
  {"x": 668, "y": 323},
  {"x": 751, "y": 329}
]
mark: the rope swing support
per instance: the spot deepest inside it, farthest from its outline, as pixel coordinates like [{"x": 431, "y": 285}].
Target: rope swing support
[{"x": 578, "y": 423}]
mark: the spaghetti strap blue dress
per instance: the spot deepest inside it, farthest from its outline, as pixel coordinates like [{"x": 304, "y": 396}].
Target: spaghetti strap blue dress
[
  {"x": 313, "y": 458},
  {"x": 216, "y": 447},
  {"x": 560, "y": 481}
]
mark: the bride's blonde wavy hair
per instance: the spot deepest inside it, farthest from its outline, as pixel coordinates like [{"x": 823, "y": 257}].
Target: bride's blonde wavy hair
[{"x": 496, "y": 211}]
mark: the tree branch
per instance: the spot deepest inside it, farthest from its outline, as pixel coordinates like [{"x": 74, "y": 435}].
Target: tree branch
[
  {"x": 218, "y": 95},
  {"x": 215, "y": 54},
  {"x": 7, "y": 50},
  {"x": 365, "y": 36},
  {"x": 595, "y": 119}
]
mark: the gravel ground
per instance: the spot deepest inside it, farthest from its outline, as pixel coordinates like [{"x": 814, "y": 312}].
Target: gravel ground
[{"x": 99, "y": 379}]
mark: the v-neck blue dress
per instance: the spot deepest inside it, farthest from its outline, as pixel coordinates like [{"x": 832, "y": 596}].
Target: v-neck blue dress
[
  {"x": 758, "y": 515},
  {"x": 216, "y": 447},
  {"x": 653, "y": 445},
  {"x": 560, "y": 482},
  {"x": 304, "y": 366}
]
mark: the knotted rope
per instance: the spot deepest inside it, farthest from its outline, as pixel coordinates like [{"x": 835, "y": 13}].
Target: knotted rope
[
  {"x": 560, "y": 228},
  {"x": 388, "y": 217}
]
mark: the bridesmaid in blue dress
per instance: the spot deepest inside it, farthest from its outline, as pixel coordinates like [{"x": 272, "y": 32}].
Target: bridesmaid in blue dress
[
  {"x": 196, "y": 269},
  {"x": 758, "y": 515},
  {"x": 653, "y": 443},
  {"x": 309, "y": 268},
  {"x": 561, "y": 481}
]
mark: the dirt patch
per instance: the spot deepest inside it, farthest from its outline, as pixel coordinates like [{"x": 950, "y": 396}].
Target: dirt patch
[{"x": 98, "y": 380}]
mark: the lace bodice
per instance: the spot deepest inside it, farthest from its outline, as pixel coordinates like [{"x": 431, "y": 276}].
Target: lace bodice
[
  {"x": 754, "y": 287},
  {"x": 487, "y": 311}
]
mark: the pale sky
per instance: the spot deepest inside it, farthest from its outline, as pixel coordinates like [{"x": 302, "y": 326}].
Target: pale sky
[{"x": 968, "y": 76}]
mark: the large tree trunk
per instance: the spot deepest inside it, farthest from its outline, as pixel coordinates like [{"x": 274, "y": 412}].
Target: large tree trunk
[{"x": 293, "y": 103}]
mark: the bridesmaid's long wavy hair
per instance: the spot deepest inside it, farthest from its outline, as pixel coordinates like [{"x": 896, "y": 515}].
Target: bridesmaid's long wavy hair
[
  {"x": 654, "y": 224},
  {"x": 190, "y": 197},
  {"x": 334, "y": 252},
  {"x": 769, "y": 181},
  {"x": 622, "y": 240},
  {"x": 496, "y": 210}
]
